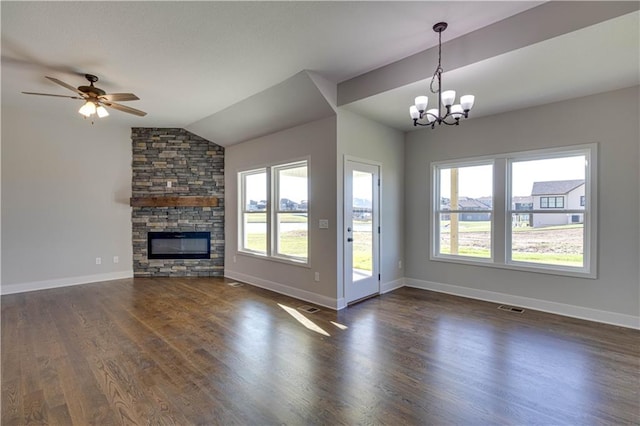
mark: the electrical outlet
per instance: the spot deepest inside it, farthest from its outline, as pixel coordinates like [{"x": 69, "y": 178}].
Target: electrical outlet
[
  {"x": 98, "y": 261},
  {"x": 323, "y": 223},
  {"x": 317, "y": 277},
  {"x": 116, "y": 259},
  {"x": 168, "y": 184},
  {"x": 399, "y": 264},
  {"x": 234, "y": 259}
]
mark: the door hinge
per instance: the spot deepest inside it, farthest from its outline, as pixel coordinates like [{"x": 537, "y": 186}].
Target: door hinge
[
  {"x": 378, "y": 229},
  {"x": 378, "y": 181},
  {"x": 378, "y": 277}
]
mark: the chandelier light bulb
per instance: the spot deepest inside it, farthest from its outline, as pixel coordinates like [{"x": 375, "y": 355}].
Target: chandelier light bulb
[
  {"x": 467, "y": 102},
  {"x": 421, "y": 103},
  {"x": 448, "y": 98},
  {"x": 457, "y": 112},
  {"x": 413, "y": 112},
  {"x": 432, "y": 114}
]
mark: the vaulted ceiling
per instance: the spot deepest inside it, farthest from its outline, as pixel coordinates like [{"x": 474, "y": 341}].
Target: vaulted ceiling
[{"x": 215, "y": 66}]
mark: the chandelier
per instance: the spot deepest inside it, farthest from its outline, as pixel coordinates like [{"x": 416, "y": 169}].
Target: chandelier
[{"x": 453, "y": 112}]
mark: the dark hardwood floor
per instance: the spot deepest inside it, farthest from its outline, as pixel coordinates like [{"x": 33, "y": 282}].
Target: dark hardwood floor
[{"x": 198, "y": 351}]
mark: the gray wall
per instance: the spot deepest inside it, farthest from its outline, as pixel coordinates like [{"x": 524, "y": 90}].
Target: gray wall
[
  {"x": 65, "y": 199},
  {"x": 315, "y": 140},
  {"x": 368, "y": 140},
  {"x": 611, "y": 119}
]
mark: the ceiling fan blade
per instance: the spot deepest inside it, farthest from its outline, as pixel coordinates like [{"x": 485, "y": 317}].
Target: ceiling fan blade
[
  {"x": 63, "y": 84},
  {"x": 57, "y": 96},
  {"x": 124, "y": 108},
  {"x": 118, "y": 97}
]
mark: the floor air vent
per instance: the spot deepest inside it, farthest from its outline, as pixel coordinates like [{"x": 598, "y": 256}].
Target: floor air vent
[
  {"x": 235, "y": 284},
  {"x": 511, "y": 309},
  {"x": 308, "y": 309}
]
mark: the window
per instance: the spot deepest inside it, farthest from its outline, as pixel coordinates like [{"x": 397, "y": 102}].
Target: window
[
  {"x": 464, "y": 210},
  {"x": 253, "y": 187},
  {"x": 531, "y": 211},
  {"x": 551, "y": 202},
  {"x": 275, "y": 229},
  {"x": 554, "y": 238},
  {"x": 291, "y": 218}
]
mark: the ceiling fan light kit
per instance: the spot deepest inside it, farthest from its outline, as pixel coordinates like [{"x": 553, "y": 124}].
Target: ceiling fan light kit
[
  {"x": 453, "y": 112},
  {"x": 95, "y": 98}
]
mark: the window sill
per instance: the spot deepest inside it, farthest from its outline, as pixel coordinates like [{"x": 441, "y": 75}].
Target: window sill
[
  {"x": 284, "y": 260},
  {"x": 518, "y": 266}
]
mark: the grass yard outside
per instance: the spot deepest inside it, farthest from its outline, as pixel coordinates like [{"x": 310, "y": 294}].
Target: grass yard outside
[
  {"x": 285, "y": 218},
  {"x": 556, "y": 245},
  {"x": 362, "y": 251}
]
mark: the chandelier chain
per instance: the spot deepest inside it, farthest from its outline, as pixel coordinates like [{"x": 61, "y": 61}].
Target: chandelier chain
[{"x": 439, "y": 69}]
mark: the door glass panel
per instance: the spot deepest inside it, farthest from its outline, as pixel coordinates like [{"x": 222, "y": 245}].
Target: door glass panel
[{"x": 362, "y": 221}]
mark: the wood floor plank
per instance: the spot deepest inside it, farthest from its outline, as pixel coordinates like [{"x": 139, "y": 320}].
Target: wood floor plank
[
  {"x": 12, "y": 327},
  {"x": 197, "y": 351}
]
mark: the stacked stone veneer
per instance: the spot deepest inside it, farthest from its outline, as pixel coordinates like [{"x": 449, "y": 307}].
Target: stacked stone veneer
[{"x": 194, "y": 166}]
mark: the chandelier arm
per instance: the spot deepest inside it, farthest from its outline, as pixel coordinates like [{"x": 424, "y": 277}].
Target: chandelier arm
[{"x": 454, "y": 123}]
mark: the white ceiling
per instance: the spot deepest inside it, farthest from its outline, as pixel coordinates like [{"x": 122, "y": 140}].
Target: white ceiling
[{"x": 190, "y": 60}]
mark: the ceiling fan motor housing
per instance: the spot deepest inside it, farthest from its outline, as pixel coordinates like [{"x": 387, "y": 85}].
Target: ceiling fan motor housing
[{"x": 91, "y": 90}]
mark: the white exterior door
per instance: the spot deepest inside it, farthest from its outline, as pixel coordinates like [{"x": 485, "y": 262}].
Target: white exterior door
[{"x": 362, "y": 230}]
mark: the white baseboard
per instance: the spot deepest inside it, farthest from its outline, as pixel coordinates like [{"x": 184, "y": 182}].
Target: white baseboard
[
  {"x": 342, "y": 303},
  {"x": 307, "y": 296},
  {"x": 297, "y": 293},
  {"x": 63, "y": 282},
  {"x": 589, "y": 314},
  {"x": 391, "y": 285}
]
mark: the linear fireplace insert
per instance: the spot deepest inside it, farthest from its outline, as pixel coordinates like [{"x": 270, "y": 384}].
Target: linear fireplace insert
[{"x": 179, "y": 245}]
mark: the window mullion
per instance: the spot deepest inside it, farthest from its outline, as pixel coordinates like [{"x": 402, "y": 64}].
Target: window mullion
[
  {"x": 500, "y": 220},
  {"x": 435, "y": 211},
  {"x": 270, "y": 213}
]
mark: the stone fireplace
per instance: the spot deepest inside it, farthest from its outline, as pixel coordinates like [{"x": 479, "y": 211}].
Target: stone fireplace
[{"x": 177, "y": 189}]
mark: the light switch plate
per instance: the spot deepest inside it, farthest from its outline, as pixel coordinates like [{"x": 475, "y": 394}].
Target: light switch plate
[{"x": 323, "y": 223}]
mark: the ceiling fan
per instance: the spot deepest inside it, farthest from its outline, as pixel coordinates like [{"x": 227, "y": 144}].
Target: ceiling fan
[{"x": 95, "y": 98}]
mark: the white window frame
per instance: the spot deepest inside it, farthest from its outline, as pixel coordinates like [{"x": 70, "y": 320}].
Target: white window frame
[
  {"x": 242, "y": 210},
  {"x": 436, "y": 197},
  {"x": 271, "y": 211},
  {"x": 276, "y": 210},
  {"x": 501, "y": 216}
]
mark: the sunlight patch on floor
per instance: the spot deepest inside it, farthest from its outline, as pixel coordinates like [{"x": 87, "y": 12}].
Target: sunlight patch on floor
[
  {"x": 340, "y": 326},
  {"x": 304, "y": 320}
]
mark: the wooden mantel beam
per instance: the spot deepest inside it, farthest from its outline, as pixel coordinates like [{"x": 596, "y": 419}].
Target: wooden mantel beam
[{"x": 175, "y": 201}]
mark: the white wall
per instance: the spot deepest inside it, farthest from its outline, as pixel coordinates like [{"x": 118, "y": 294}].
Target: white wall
[
  {"x": 65, "y": 200},
  {"x": 610, "y": 119},
  {"x": 317, "y": 141},
  {"x": 368, "y": 140}
]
